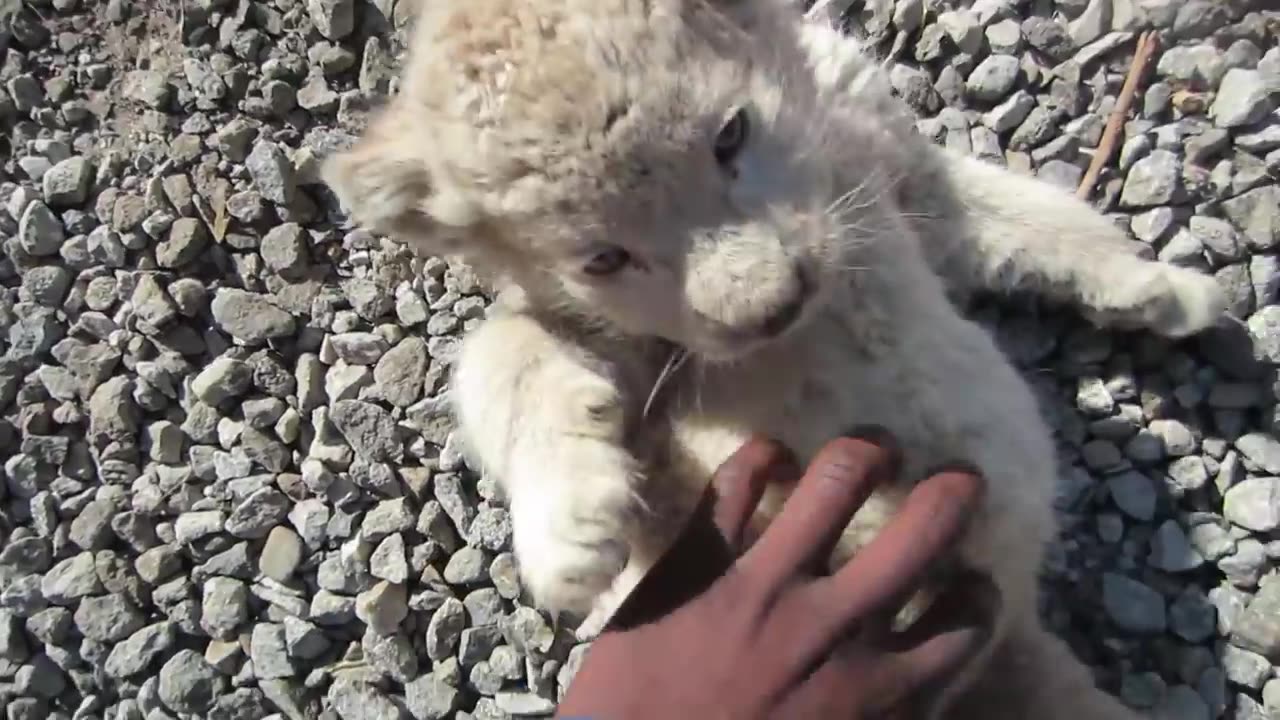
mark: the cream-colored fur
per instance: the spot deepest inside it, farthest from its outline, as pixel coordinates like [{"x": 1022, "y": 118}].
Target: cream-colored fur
[{"x": 809, "y": 277}]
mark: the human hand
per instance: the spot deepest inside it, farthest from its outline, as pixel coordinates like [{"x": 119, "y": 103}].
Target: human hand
[{"x": 768, "y": 635}]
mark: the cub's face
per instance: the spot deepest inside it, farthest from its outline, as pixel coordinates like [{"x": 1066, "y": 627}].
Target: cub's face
[{"x": 667, "y": 167}]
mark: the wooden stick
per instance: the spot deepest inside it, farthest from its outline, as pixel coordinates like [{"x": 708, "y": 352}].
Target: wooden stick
[{"x": 1147, "y": 44}]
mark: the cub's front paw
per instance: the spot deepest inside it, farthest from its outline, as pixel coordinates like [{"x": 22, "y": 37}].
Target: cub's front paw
[
  {"x": 574, "y": 511},
  {"x": 1172, "y": 301},
  {"x": 571, "y": 574}
]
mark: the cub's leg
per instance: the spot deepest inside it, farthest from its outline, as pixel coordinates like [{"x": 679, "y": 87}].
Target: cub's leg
[
  {"x": 1034, "y": 674},
  {"x": 989, "y": 228},
  {"x": 546, "y": 420},
  {"x": 997, "y": 230}
]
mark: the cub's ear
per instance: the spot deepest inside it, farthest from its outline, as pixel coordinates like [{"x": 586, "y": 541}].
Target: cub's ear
[{"x": 384, "y": 182}]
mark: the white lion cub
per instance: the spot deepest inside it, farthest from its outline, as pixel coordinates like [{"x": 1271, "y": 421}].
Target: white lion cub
[{"x": 725, "y": 195}]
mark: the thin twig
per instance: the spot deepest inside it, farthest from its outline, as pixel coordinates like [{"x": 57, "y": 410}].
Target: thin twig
[{"x": 1147, "y": 44}]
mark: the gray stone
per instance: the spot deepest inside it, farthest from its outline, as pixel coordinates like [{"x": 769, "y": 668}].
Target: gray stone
[
  {"x": 400, "y": 372},
  {"x": 185, "y": 241},
  {"x": 1131, "y": 605},
  {"x": 390, "y": 654},
  {"x": 108, "y": 618},
  {"x": 1134, "y": 494},
  {"x": 993, "y": 78},
  {"x": 383, "y": 607},
  {"x": 150, "y": 87},
  {"x": 66, "y": 184},
  {"x": 1244, "y": 567},
  {"x": 1257, "y": 626},
  {"x": 284, "y": 248},
  {"x": 1212, "y": 541},
  {"x": 225, "y": 607},
  {"x": 1264, "y": 331},
  {"x": 368, "y": 428},
  {"x": 1182, "y": 703},
  {"x": 1154, "y": 180},
  {"x": 303, "y": 639},
  {"x": 478, "y": 643},
  {"x": 1175, "y": 437},
  {"x": 13, "y": 646},
  {"x": 1188, "y": 473},
  {"x": 431, "y": 698},
  {"x": 258, "y": 513},
  {"x": 388, "y": 560},
  {"x": 47, "y": 285},
  {"x": 1192, "y": 616},
  {"x": 1256, "y": 214},
  {"x": 1244, "y": 97},
  {"x": 187, "y": 684},
  {"x": 963, "y": 28},
  {"x": 1010, "y": 113},
  {"x": 528, "y": 631},
  {"x": 250, "y": 317},
  {"x": 281, "y": 554},
  {"x": 71, "y": 579},
  {"x": 40, "y": 232},
  {"x": 1261, "y": 450},
  {"x": 272, "y": 172},
  {"x": 444, "y": 630},
  {"x": 1092, "y": 23},
  {"x": 91, "y": 529},
  {"x": 491, "y": 529},
  {"x": 1049, "y": 37},
  {"x": 264, "y": 450},
  {"x": 1244, "y": 667},
  {"x": 467, "y": 566},
  {"x": 334, "y": 19},
  {"x": 1254, "y": 504},
  {"x": 136, "y": 653},
  {"x": 352, "y": 699},
  {"x": 222, "y": 380},
  {"x": 523, "y": 703},
  {"x": 358, "y": 348},
  {"x": 1202, "y": 66},
  {"x": 269, "y": 651},
  {"x": 1271, "y": 697},
  {"x": 1171, "y": 551}
]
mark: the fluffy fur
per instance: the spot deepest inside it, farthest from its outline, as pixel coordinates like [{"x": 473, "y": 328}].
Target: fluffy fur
[{"x": 809, "y": 278}]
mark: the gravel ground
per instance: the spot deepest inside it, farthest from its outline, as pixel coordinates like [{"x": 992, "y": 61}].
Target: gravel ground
[{"x": 229, "y": 486}]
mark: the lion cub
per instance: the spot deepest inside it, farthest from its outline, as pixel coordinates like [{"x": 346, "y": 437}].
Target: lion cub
[{"x": 722, "y": 198}]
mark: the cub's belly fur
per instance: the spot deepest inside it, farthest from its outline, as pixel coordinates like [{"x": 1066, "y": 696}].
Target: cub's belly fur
[{"x": 947, "y": 397}]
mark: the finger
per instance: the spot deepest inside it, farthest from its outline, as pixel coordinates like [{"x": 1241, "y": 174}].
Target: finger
[
  {"x": 928, "y": 525},
  {"x": 741, "y": 481},
  {"x": 970, "y": 599},
  {"x": 822, "y": 554},
  {"x": 834, "y": 486},
  {"x": 834, "y": 690},
  {"x": 915, "y": 676}
]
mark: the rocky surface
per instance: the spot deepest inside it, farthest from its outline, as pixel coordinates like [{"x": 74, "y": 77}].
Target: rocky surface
[{"x": 230, "y": 489}]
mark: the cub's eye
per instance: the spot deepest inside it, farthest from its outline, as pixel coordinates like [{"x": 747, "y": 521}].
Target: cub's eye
[
  {"x": 608, "y": 262},
  {"x": 731, "y": 138}
]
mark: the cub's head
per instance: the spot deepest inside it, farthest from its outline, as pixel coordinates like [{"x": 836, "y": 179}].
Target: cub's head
[{"x": 666, "y": 167}]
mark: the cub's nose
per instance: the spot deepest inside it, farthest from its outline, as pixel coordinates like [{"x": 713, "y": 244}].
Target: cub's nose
[{"x": 785, "y": 316}]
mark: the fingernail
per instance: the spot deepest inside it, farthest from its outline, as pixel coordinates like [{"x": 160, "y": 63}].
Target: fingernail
[
  {"x": 956, "y": 466},
  {"x": 881, "y": 437},
  {"x": 873, "y": 433}
]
